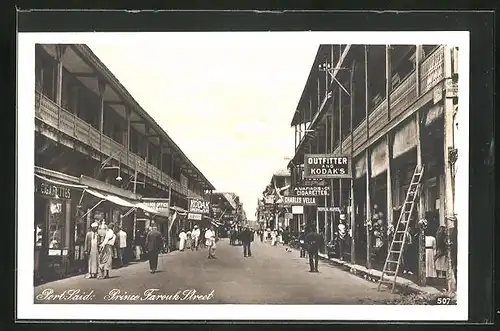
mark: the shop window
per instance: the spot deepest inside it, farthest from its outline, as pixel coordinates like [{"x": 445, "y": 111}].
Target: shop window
[{"x": 56, "y": 224}]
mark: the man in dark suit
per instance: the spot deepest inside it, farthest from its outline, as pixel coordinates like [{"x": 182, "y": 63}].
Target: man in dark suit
[
  {"x": 153, "y": 247},
  {"x": 246, "y": 239},
  {"x": 313, "y": 242}
]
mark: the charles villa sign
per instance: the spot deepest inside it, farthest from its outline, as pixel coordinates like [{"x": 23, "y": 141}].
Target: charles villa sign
[
  {"x": 311, "y": 191},
  {"x": 327, "y": 166},
  {"x": 298, "y": 201},
  {"x": 199, "y": 206}
]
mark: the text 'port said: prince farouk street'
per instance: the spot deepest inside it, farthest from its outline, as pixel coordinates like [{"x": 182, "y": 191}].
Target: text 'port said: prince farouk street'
[{"x": 152, "y": 294}]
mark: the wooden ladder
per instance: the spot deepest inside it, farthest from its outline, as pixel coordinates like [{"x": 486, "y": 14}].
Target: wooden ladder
[{"x": 395, "y": 252}]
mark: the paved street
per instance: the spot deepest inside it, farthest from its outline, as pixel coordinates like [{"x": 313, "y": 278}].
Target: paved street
[{"x": 270, "y": 276}]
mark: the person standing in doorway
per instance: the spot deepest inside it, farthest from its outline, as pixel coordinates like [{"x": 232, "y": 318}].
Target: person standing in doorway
[
  {"x": 122, "y": 246},
  {"x": 182, "y": 240},
  {"x": 153, "y": 248},
  {"x": 196, "y": 237},
  {"x": 92, "y": 251},
  {"x": 313, "y": 242},
  {"x": 246, "y": 239},
  {"x": 210, "y": 242}
]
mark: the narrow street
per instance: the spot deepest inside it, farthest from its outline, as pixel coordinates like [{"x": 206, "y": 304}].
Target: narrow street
[{"x": 270, "y": 276}]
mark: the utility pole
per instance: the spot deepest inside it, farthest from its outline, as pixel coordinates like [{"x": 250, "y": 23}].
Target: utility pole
[{"x": 450, "y": 156}]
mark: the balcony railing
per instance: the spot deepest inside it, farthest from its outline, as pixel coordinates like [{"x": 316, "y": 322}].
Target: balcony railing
[
  {"x": 51, "y": 114},
  {"x": 431, "y": 74}
]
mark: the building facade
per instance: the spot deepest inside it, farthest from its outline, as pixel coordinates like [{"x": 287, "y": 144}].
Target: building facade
[
  {"x": 99, "y": 156},
  {"x": 389, "y": 109}
]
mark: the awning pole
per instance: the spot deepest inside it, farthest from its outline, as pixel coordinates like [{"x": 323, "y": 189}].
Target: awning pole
[
  {"x": 97, "y": 204},
  {"x": 130, "y": 210},
  {"x": 81, "y": 198}
]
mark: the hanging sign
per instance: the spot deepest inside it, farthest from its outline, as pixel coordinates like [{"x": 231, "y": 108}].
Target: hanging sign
[
  {"x": 299, "y": 201},
  {"x": 162, "y": 205},
  {"x": 311, "y": 191},
  {"x": 199, "y": 206},
  {"x": 329, "y": 209},
  {"x": 327, "y": 166},
  {"x": 194, "y": 217}
]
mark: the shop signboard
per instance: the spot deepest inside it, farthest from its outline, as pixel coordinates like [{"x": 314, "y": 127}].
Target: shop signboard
[
  {"x": 162, "y": 205},
  {"x": 199, "y": 206},
  {"x": 314, "y": 182},
  {"x": 299, "y": 201},
  {"x": 311, "y": 191},
  {"x": 52, "y": 190},
  {"x": 194, "y": 216},
  {"x": 327, "y": 166},
  {"x": 329, "y": 209}
]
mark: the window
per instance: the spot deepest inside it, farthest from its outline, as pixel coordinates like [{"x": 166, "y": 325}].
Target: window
[{"x": 56, "y": 224}]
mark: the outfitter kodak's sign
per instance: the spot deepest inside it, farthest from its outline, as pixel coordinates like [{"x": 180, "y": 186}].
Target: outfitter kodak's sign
[{"x": 327, "y": 166}]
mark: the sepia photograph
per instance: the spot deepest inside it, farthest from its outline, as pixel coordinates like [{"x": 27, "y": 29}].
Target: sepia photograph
[{"x": 247, "y": 175}]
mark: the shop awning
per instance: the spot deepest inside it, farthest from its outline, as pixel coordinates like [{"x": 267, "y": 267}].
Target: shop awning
[
  {"x": 96, "y": 194},
  {"x": 111, "y": 198},
  {"x": 179, "y": 210},
  {"x": 55, "y": 182},
  {"x": 146, "y": 208}
]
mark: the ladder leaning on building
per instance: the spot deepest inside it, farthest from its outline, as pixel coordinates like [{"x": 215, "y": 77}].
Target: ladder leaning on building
[{"x": 395, "y": 251}]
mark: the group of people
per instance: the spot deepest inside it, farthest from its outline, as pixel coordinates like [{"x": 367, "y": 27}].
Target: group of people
[
  {"x": 102, "y": 243},
  {"x": 194, "y": 240}
]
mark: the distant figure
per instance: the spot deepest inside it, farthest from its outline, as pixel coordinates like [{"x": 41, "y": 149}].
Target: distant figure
[
  {"x": 138, "y": 245},
  {"x": 246, "y": 239},
  {"x": 210, "y": 242},
  {"x": 261, "y": 235},
  {"x": 196, "y": 237},
  {"x": 92, "y": 251},
  {"x": 153, "y": 247},
  {"x": 274, "y": 237},
  {"x": 302, "y": 243},
  {"x": 313, "y": 241},
  {"x": 106, "y": 253},
  {"x": 122, "y": 245},
  {"x": 182, "y": 240}
]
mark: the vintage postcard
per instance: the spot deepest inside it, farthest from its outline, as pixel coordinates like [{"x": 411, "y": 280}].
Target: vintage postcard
[{"x": 243, "y": 176}]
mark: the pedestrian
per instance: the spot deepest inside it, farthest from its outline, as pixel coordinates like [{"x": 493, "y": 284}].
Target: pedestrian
[
  {"x": 210, "y": 242},
  {"x": 261, "y": 235},
  {"x": 189, "y": 240},
  {"x": 441, "y": 257},
  {"x": 122, "y": 245},
  {"x": 196, "y": 237},
  {"x": 106, "y": 252},
  {"x": 153, "y": 247},
  {"x": 430, "y": 253},
  {"x": 91, "y": 250},
  {"x": 246, "y": 239},
  {"x": 138, "y": 245},
  {"x": 274, "y": 236},
  {"x": 302, "y": 243},
  {"x": 341, "y": 237},
  {"x": 182, "y": 240},
  {"x": 313, "y": 242}
]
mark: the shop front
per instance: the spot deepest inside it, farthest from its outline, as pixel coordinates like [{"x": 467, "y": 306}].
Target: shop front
[{"x": 54, "y": 218}]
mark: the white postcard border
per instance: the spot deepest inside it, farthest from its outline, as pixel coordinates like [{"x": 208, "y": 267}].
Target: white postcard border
[{"x": 26, "y": 309}]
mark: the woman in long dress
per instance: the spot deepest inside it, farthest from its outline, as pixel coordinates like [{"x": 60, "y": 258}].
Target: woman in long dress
[
  {"x": 441, "y": 258},
  {"x": 430, "y": 252},
  {"x": 92, "y": 250},
  {"x": 106, "y": 254},
  {"x": 182, "y": 240}
]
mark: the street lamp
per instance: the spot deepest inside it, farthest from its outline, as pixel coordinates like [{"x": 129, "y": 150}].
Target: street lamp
[{"x": 104, "y": 165}]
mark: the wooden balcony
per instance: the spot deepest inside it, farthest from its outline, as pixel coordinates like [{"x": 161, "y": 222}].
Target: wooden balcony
[
  {"x": 403, "y": 103},
  {"x": 51, "y": 114}
]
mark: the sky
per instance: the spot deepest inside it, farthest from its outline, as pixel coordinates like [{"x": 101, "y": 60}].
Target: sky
[{"x": 227, "y": 105}]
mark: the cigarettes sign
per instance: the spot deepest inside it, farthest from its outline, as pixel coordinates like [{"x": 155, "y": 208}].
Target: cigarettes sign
[
  {"x": 312, "y": 191},
  {"x": 327, "y": 166}
]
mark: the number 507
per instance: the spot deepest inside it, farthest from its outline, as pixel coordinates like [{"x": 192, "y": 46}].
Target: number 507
[{"x": 443, "y": 301}]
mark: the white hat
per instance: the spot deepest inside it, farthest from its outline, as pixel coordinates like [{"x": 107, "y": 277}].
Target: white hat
[{"x": 94, "y": 225}]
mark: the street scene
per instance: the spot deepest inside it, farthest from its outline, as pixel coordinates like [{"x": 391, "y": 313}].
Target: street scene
[
  {"x": 271, "y": 276},
  {"x": 240, "y": 182}
]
